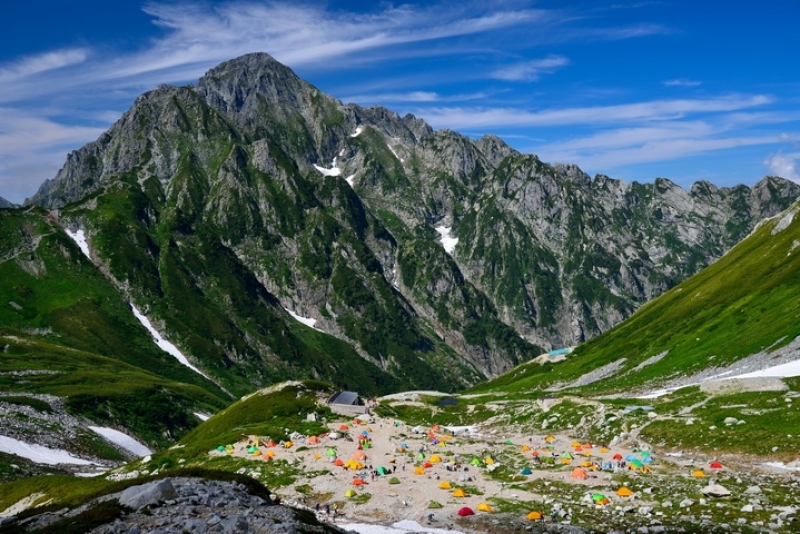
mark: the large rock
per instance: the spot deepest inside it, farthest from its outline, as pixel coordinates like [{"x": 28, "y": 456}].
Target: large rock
[{"x": 137, "y": 497}]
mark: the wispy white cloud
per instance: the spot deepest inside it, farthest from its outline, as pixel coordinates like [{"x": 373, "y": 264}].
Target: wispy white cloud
[
  {"x": 681, "y": 82},
  {"x": 656, "y": 110},
  {"x": 413, "y": 97},
  {"x": 48, "y": 61},
  {"x": 784, "y": 165},
  {"x": 530, "y": 70}
]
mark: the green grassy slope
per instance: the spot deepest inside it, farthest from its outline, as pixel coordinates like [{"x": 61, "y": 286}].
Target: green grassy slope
[{"x": 746, "y": 302}]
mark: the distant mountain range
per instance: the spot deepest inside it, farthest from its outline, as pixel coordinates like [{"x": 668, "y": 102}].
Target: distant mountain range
[
  {"x": 6, "y": 204},
  {"x": 270, "y": 232}
]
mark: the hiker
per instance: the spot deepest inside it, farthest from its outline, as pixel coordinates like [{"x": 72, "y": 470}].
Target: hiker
[
  {"x": 430, "y": 518},
  {"x": 316, "y": 507},
  {"x": 327, "y": 509}
]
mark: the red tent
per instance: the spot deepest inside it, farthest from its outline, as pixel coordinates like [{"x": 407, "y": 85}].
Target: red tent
[
  {"x": 716, "y": 465},
  {"x": 358, "y": 482},
  {"x": 427, "y": 465},
  {"x": 466, "y": 511},
  {"x": 617, "y": 456}
]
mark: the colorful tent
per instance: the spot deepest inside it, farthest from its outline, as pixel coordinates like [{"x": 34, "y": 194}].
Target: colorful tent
[
  {"x": 698, "y": 474},
  {"x": 715, "y": 465},
  {"x": 343, "y": 427},
  {"x": 445, "y": 485},
  {"x": 419, "y": 471},
  {"x": 484, "y": 507},
  {"x": 488, "y": 460},
  {"x": 466, "y": 511},
  {"x": 427, "y": 465},
  {"x": 624, "y": 492},
  {"x": 617, "y": 457},
  {"x": 382, "y": 471},
  {"x": 350, "y": 493},
  {"x": 603, "y": 450},
  {"x": 313, "y": 440},
  {"x": 330, "y": 453},
  {"x": 525, "y": 448},
  {"x": 525, "y": 471},
  {"x": 435, "y": 459},
  {"x": 475, "y": 461},
  {"x": 550, "y": 439},
  {"x": 358, "y": 482},
  {"x": 535, "y": 516},
  {"x": 459, "y": 493},
  {"x": 579, "y": 472},
  {"x": 338, "y": 462}
]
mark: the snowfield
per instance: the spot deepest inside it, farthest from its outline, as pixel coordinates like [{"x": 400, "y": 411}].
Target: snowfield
[
  {"x": 39, "y": 453},
  {"x": 121, "y": 439}
]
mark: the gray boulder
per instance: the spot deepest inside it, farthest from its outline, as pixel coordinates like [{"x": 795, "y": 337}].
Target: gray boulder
[{"x": 137, "y": 497}]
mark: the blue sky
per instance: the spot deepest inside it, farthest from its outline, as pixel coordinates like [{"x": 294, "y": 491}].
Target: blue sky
[{"x": 686, "y": 90}]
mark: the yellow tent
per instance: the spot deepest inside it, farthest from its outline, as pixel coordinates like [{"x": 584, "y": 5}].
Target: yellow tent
[
  {"x": 483, "y": 507},
  {"x": 488, "y": 461},
  {"x": 550, "y": 439},
  {"x": 459, "y": 493},
  {"x": 435, "y": 459},
  {"x": 524, "y": 448},
  {"x": 257, "y": 452},
  {"x": 287, "y": 444},
  {"x": 445, "y": 484},
  {"x": 576, "y": 443},
  {"x": 624, "y": 492},
  {"x": 534, "y": 516},
  {"x": 698, "y": 473},
  {"x": 350, "y": 493},
  {"x": 586, "y": 463},
  {"x": 566, "y": 461},
  {"x": 603, "y": 450},
  {"x": 354, "y": 465}
]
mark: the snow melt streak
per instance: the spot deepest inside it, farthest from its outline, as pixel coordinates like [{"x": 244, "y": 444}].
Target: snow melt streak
[
  {"x": 80, "y": 239},
  {"x": 123, "y": 440},
  {"x": 163, "y": 344}
]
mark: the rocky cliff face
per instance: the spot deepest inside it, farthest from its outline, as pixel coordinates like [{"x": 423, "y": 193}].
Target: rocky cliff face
[
  {"x": 5, "y": 203},
  {"x": 219, "y": 205}
]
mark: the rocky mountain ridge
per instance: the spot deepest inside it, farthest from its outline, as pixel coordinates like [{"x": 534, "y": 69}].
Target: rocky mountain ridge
[{"x": 281, "y": 197}]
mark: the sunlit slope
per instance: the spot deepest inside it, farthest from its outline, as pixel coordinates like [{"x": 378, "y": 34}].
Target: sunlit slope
[{"x": 745, "y": 303}]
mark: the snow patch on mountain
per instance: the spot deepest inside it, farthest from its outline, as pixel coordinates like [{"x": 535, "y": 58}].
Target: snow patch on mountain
[
  {"x": 121, "y": 439},
  {"x": 449, "y": 243},
  {"x": 163, "y": 344},
  {"x": 39, "y": 453},
  {"x": 80, "y": 239},
  {"x": 333, "y": 171}
]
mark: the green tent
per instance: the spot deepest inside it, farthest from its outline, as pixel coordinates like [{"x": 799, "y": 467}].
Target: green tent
[
  {"x": 475, "y": 461},
  {"x": 394, "y": 480},
  {"x": 330, "y": 453},
  {"x": 221, "y": 448},
  {"x": 637, "y": 464},
  {"x": 566, "y": 454},
  {"x": 382, "y": 471},
  {"x": 420, "y": 456},
  {"x": 598, "y": 497}
]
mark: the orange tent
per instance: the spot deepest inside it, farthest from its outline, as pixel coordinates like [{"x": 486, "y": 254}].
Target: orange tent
[
  {"x": 579, "y": 472},
  {"x": 343, "y": 427},
  {"x": 624, "y": 492},
  {"x": 617, "y": 456},
  {"x": 312, "y": 440},
  {"x": 359, "y": 455},
  {"x": 338, "y": 462},
  {"x": 358, "y": 482},
  {"x": 698, "y": 474},
  {"x": 534, "y": 516}
]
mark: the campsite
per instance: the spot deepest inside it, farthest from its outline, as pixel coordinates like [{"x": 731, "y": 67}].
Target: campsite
[{"x": 370, "y": 468}]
